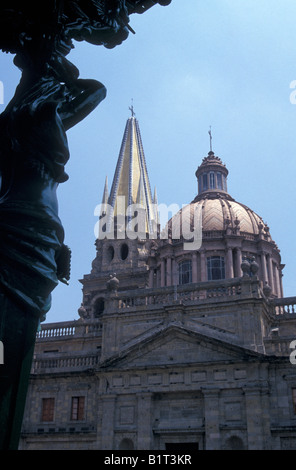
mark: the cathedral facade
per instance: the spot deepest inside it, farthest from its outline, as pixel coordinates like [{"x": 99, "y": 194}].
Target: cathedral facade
[{"x": 182, "y": 343}]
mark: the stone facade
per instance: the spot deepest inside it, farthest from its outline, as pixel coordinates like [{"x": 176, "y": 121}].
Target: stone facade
[
  {"x": 161, "y": 372},
  {"x": 179, "y": 350}
]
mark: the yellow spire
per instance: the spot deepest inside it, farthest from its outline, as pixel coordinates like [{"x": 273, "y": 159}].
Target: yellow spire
[
  {"x": 131, "y": 182},
  {"x": 106, "y": 193}
]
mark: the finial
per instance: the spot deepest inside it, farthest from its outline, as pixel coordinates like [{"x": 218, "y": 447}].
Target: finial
[
  {"x": 131, "y": 108},
  {"x": 211, "y": 138}
]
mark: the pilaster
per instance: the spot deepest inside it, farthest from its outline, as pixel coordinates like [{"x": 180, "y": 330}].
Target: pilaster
[
  {"x": 144, "y": 421},
  {"x": 256, "y": 418},
  {"x": 108, "y": 404},
  {"x": 212, "y": 424},
  {"x": 194, "y": 267},
  {"x": 229, "y": 263}
]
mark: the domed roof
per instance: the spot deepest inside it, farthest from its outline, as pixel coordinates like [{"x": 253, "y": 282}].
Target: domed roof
[{"x": 221, "y": 213}]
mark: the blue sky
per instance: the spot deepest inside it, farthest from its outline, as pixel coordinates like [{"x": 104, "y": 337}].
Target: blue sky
[{"x": 192, "y": 64}]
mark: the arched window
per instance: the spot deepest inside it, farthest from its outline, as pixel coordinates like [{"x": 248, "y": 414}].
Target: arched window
[
  {"x": 185, "y": 272},
  {"x": 216, "y": 268},
  {"x": 124, "y": 251},
  {"x": 110, "y": 253}
]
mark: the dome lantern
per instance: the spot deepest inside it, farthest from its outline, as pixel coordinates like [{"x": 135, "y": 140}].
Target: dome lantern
[{"x": 212, "y": 175}]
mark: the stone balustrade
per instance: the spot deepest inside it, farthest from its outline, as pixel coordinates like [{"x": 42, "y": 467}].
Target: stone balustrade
[
  {"x": 284, "y": 306},
  {"x": 55, "y": 330},
  {"x": 67, "y": 329},
  {"x": 198, "y": 292},
  {"x": 41, "y": 363}
]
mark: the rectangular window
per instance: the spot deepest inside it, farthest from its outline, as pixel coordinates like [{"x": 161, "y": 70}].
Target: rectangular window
[
  {"x": 224, "y": 183},
  {"x": 216, "y": 268},
  {"x": 77, "y": 408},
  {"x": 219, "y": 180},
  {"x": 205, "y": 181},
  {"x": 47, "y": 413},
  {"x": 294, "y": 399},
  {"x": 185, "y": 272},
  {"x": 200, "y": 184},
  {"x": 212, "y": 180}
]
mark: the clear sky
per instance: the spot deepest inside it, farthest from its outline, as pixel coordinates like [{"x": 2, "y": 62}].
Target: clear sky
[{"x": 192, "y": 64}]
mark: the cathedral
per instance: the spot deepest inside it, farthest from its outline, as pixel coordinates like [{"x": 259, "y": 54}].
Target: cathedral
[{"x": 183, "y": 341}]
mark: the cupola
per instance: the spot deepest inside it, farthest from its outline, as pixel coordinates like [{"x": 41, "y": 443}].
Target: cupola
[{"x": 212, "y": 175}]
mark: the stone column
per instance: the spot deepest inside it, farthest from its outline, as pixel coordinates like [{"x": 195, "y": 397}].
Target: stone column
[
  {"x": 277, "y": 282},
  {"x": 174, "y": 272},
  {"x": 203, "y": 266},
  {"x": 254, "y": 414},
  {"x": 211, "y": 408},
  {"x": 238, "y": 269},
  {"x": 270, "y": 269},
  {"x": 229, "y": 263},
  {"x": 144, "y": 421},
  {"x": 169, "y": 272},
  {"x": 108, "y": 412},
  {"x": 162, "y": 273},
  {"x": 151, "y": 277},
  {"x": 264, "y": 267},
  {"x": 194, "y": 267},
  {"x": 281, "y": 283}
]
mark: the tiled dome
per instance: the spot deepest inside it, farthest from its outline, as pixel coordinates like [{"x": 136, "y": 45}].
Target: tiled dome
[{"x": 220, "y": 214}]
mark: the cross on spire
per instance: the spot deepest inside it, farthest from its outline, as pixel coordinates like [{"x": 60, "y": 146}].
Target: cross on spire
[
  {"x": 131, "y": 108},
  {"x": 211, "y": 139}
]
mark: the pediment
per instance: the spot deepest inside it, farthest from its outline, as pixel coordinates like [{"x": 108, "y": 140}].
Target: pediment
[{"x": 178, "y": 345}]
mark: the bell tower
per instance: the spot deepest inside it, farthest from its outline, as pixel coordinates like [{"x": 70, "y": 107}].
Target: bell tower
[{"x": 128, "y": 222}]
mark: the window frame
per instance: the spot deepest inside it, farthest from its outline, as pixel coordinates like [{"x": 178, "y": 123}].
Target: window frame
[
  {"x": 205, "y": 182},
  {"x": 183, "y": 273},
  {"x": 77, "y": 408},
  {"x": 211, "y": 268},
  {"x": 212, "y": 180},
  {"x": 219, "y": 180},
  {"x": 47, "y": 409}
]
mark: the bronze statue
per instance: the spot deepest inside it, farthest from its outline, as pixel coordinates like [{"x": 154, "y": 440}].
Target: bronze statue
[{"x": 50, "y": 99}]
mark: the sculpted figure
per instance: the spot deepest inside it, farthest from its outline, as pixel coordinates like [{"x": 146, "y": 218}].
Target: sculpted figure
[{"x": 50, "y": 99}]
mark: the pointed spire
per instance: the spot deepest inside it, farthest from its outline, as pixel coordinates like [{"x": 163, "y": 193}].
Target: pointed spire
[
  {"x": 106, "y": 192},
  {"x": 105, "y": 198},
  {"x": 155, "y": 202},
  {"x": 131, "y": 182}
]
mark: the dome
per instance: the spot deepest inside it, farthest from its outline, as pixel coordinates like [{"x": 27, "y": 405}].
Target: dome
[
  {"x": 233, "y": 242},
  {"x": 221, "y": 214}
]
